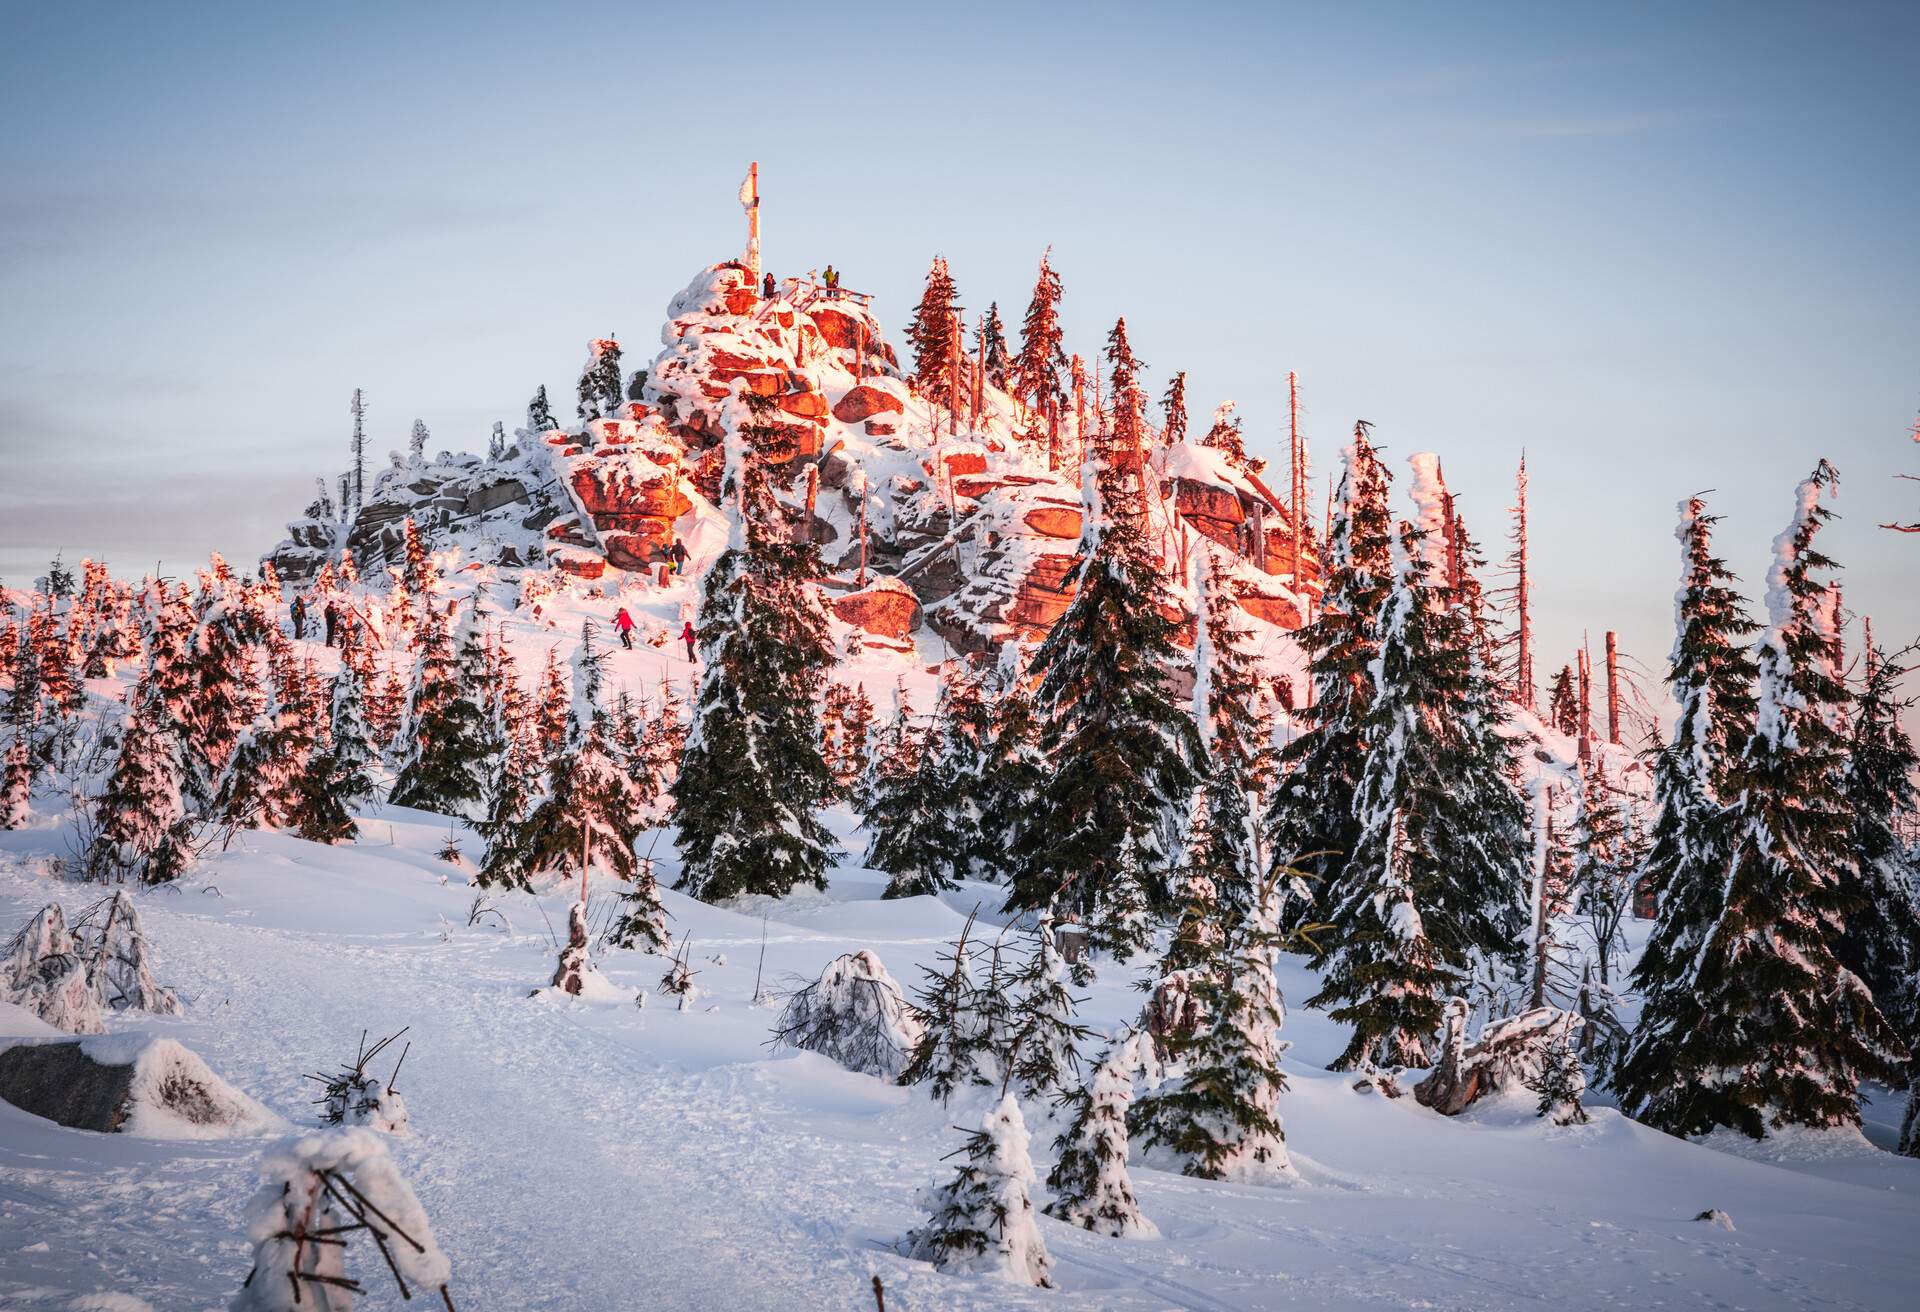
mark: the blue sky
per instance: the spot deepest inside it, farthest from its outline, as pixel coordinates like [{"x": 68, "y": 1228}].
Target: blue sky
[{"x": 1662, "y": 248}]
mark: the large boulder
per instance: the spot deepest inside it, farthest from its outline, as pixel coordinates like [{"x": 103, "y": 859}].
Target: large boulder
[
  {"x": 129, "y": 1084},
  {"x": 888, "y": 608},
  {"x": 864, "y": 402},
  {"x": 1054, "y": 521},
  {"x": 1208, "y": 501}
]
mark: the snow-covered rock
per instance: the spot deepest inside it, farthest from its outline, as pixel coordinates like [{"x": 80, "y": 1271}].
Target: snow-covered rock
[{"x": 134, "y": 1084}]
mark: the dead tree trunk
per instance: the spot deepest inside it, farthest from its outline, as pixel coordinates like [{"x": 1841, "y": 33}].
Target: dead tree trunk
[{"x": 1613, "y": 689}]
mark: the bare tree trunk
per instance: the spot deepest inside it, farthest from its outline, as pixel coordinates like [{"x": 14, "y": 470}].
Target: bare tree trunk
[
  {"x": 1523, "y": 597},
  {"x": 1586, "y": 700},
  {"x": 1613, "y": 689}
]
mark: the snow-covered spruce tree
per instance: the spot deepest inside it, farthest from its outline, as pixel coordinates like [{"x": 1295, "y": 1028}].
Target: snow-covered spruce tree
[
  {"x": 445, "y": 770},
  {"x": 1128, "y": 420},
  {"x": 1036, "y": 369},
  {"x": 982, "y": 1221},
  {"x": 1220, "y": 1120},
  {"x": 1563, "y": 707},
  {"x": 540, "y": 413},
  {"x": 1090, "y": 1183},
  {"x": 1236, "y": 735},
  {"x": 1685, "y": 867},
  {"x": 1043, "y": 1045},
  {"x": 601, "y": 388},
  {"x": 590, "y": 814},
  {"x": 226, "y": 694},
  {"x": 1226, "y": 436},
  {"x": 1119, "y": 748},
  {"x": 550, "y": 713},
  {"x": 1607, "y": 855},
  {"x": 1759, "y": 1026},
  {"x": 752, "y": 781},
  {"x": 1438, "y": 877},
  {"x": 142, "y": 826},
  {"x": 351, "y": 754},
  {"x": 993, "y": 336},
  {"x": 1311, "y": 822},
  {"x": 1011, "y": 766},
  {"x": 1882, "y": 940},
  {"x": 910, "y": 817},
  {"x": 956, "y": 1046},
  {"x": 417, "y": 442},
  {"x": 931, "y": 335},
  {"x": 1173, "y": 410},
  {"x": 46, "y": 973}
]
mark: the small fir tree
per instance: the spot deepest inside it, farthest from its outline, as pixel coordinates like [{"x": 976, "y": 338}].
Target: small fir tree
[
  {"x": 1221, "y": 1120},
  {"x": 1090, "y": 1183},
  {"x": 1037, "y": 369},
  {"x": 1173, "y": 411},
  {"x": 931, "y": 335},
  {"x": 982, "y": 1221},
  {"x": 445, "y": 770},
  {"x": 143, "y": 826}
]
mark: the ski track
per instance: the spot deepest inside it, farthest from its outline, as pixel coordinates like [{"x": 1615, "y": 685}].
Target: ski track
[{"x": 572, "y": 1157}]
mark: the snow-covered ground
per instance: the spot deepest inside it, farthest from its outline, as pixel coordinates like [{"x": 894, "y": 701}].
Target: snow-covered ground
[{"x": 584, "y": 1156}]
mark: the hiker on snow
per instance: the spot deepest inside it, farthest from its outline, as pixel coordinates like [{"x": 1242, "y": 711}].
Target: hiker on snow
[
  {"x": 623, "y": 622},
  {"x": 686, "y": 636},
  {"x": 299, "y": 613},
  {"x": 332, "y": 616}
]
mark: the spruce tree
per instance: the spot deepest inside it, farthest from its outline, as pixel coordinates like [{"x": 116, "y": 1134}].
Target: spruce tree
[
  {"x": 589, "y": 817},
  {"x": 1311, "y": 822},
  {"x": 993, "y": 336},
  {"x": 1236, "y": 734},
  {"x": 1685, "y": 867},
  {"x": 1882, "y": 940},
  {"x": 1226, "y": 436},
  {"x": 540, "y": 418},
  {"x": 445, "y": 770},
  {"x": 1173, "y": 410},
  {"x": 956, "y": 1048},
  {"x": 753, "y": 781},
  {"x": 1037, "y": 369},
  {"x": 982, "y": 1220},
  {"x": 910, "y": 815},
  {"x": 1758, "y": 1025},
  {"x": 143, "y": 827},
  {"x": 1011, "y": 766},
  {"x": 351, "y": 752},
  {"x": 1043, "y": 1045},
  {"x": 225, "y": 698},
  {"x": 931, "y": 335},
  {"x": 1127, "y": 439},
  {"x": 1090, "y": 1184},
  {"x": 1120, "y": 751},
  {"x": 1220, "y": 1120},
  {"x": 417, "y": 442},
  {"x": 600, "y": 387},
  {"x": 1563, "y": 706},
  {"x": 1436, "y": 883}
]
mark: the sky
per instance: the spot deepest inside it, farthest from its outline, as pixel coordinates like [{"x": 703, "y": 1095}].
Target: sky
[{"x": 1660, "y": 249}]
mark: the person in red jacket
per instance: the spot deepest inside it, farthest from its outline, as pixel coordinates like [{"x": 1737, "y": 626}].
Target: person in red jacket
[
  {"x": 686, "y": 635},
  {"x": 623, "y": 623}
]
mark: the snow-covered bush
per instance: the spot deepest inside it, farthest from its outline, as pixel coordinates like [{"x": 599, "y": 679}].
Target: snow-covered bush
[
  {"x": 317, "y": 1192},
  {"x": 353, "y": 1097},
  {"x": 120, "y": 967},
  {"x": 855, "y": 1014},
  {"x": 982, "y": 1221},
  {"x": 46, "y": 973}
]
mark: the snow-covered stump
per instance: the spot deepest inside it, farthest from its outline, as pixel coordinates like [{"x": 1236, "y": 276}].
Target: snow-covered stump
[
  {"x": 854, "y": 1014},
  {"x": 982, "y": 1221},
  {"x": 1090, "y": 1184},
  {"x": 1526, "y": 1051},
  {"x": 318, "y": 1191},
  {"x": 122, "y": 969},
  {"x": 47, "y": 974},
  {"x": 575, "y": 965}
]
